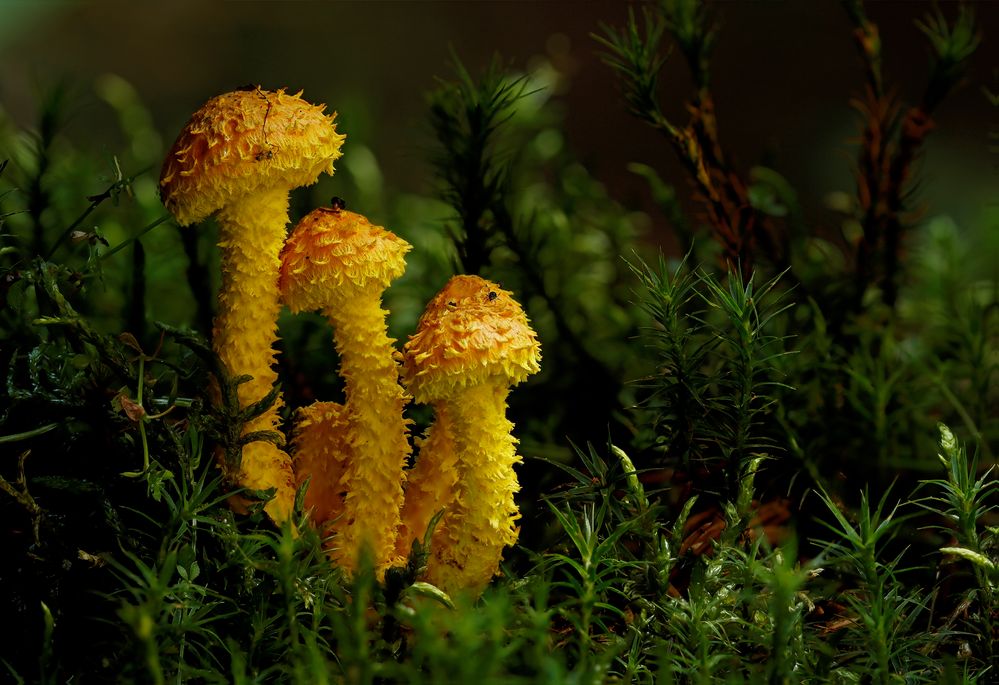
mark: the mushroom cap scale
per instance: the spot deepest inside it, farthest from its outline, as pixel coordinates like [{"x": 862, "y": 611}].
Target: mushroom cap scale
[
  {"x": 244, "y": 142},
  {"x": 333, "y": 254},
  {"x": 472, "y": 332}
]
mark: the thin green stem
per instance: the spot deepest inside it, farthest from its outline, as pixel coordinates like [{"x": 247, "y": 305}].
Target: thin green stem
[
  {"x": 95, "y": 202},
  {"x": 966, "y": 418},
  {"x": 128, "y": 241},
  {"x": 27, "y": 435},
  {"x": 142, "y": 424}
]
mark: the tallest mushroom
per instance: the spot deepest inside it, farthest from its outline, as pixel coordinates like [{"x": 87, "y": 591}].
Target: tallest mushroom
[{"x": 239, "y": 157}]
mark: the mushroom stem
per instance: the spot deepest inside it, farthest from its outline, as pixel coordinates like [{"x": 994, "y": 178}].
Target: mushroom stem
[
  {"x": 481, "y": 519},
  {"x": 376, "y": 429},
  {"x": 251, "y": 233},
  {"x": 431, "y": 484}
]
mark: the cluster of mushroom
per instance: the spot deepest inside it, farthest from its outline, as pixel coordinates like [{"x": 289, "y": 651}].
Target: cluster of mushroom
[{"x": 238, "y": 158}]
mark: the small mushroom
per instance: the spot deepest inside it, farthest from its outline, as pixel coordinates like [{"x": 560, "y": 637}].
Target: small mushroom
[
  {"x": 472, "y": 344},
  {"x": 320, "y": 455},
  {"x": 238, "y": 157},
  {"x": 337, "y": 262},
  {"x": 431, "y": 484}
]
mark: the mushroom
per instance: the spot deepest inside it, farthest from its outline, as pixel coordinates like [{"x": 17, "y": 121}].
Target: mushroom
[
  {"x": 472, "y": 344},
  {"x": 238, "y": 157},
  {"x": 340, "y": 263}
]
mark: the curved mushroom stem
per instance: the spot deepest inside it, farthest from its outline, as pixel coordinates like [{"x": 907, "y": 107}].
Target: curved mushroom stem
[
  {"x": 481, "y": 520},
  {"x": 251, "y": 233},
  {"x": 376, "y": 430},
  {"x": 431, "y": 484}
]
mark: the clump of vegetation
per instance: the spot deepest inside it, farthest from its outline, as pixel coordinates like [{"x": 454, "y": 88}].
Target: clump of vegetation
[{"x": 770, "y": 460}]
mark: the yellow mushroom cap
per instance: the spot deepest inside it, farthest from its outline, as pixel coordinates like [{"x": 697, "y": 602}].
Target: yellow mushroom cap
[
  {"x": 472, "y": 332},
  {"x": 244, "y": 142},
  {"x": 333, "y": 254}
]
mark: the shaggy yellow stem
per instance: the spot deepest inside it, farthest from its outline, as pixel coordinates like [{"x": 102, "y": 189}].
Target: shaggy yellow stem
[
  {"x": 376, "y": 430},
  {"x": 466, "y": 552},
  {"x": 431, "y": 484},
  {"x": 251, "y": 233}
]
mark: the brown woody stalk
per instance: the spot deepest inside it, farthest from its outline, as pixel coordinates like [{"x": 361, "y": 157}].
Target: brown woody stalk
[
  {"x": 890, "y": 144},
  {"x": 723, "y": 194}
]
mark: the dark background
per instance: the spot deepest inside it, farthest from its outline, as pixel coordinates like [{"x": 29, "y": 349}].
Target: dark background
[{"x": 783, "y": 74}]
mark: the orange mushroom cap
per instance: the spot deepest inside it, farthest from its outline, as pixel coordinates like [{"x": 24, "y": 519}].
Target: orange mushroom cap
[
  {"x": 244, "y": 142},
  {"x": 332, "y": 254},
  {"x": 471, "y": 332}
]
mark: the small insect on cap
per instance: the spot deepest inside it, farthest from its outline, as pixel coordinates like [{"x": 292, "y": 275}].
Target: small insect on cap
[
  {"x": 333, "y": 254},
  {"x": 472, "y": 332},
  {"x": 243, "y": 142}
]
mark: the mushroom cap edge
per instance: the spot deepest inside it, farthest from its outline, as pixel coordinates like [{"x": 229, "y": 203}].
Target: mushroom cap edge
[
  {"x": 471, "y": 332},
  {"x": 332, "y": 254},
  {"x": 243, "y": 142}
]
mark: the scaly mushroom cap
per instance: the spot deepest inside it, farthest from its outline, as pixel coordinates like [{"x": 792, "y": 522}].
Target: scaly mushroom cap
[
  {"x": 471, "y": 332},
  {"x": 333, "y": 254},
  {"x": 244, "y": 142}
]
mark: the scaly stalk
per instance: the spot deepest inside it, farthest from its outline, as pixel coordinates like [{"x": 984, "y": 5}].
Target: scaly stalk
[
  {"x": 481, "y": 521},
  {"x": 375, "y": 425},
  {"x": 251, "y": 234}
]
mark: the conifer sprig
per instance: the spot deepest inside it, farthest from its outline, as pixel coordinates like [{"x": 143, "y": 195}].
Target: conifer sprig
[
  {"x": 466, "y": 115},
  {"x": 892, "y": 137},
  {"x": 634, "y": 52}
]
